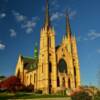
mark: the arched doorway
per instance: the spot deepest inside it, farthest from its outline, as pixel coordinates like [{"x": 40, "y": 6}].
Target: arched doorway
[
  {"x": 62, "y": 72},
  {"x": 62, "y": 66}
]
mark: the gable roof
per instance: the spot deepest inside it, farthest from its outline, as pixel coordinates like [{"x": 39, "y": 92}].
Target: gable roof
[{"x": 29, "y": 63}]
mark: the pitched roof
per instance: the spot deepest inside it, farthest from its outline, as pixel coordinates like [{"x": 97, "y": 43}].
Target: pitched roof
[{"x": 29, "y": 63}]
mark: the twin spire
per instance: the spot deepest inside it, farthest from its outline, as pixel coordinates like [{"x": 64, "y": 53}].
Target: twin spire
[
  {"x": 68, "y": 29},
  {"x": 47, "y": 20},
  {"x": 47, "y": 17}
]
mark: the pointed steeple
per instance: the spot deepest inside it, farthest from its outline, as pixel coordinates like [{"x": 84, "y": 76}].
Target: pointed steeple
[
  {"x": 68, "y": 29},
  {"x": 68, "y": 33},
  {"x": 36, "y": 51},
  {"x": 47, "y": 17}
]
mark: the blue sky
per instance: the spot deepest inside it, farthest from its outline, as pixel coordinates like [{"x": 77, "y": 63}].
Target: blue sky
[{"x": 21, "y": 21}]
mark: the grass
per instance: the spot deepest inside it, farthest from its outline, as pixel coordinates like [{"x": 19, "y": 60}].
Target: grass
[
  {"x": 24, "y": 95},
  {"x": 97, "y": 98},
  {"x": 5, "y": 96}
]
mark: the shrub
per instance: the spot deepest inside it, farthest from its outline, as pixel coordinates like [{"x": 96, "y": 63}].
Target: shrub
[
  {"x": 81, "y": 96},
  {"x": 61, "y": 92},
  {"x": 11, "y": 84},
  {"x": 38, "y": 91},
  {"x": 30, "y": 88},
  {"x": 3, "y": 90},
  {"x": 98, "y": 93}
]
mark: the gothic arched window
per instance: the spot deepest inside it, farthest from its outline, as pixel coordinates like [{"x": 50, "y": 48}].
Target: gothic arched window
[{"x": 62, "y": 66}]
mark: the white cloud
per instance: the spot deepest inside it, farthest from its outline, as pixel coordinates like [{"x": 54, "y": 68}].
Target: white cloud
[
  {"x": 29, "y": 25},
  {"x": 92, "y": 34},
  {"x": 12, "y": 33},
  {"x": 72, "y": 14},
  {"x": 56, "y": 16},
  {"x": 19, "y": 17},
  {"x": 2, "y": 15},
  {"x": 26, "y": 24},
  {"x": 2, "y": 46},
  {"x": 29, "y": 30}
]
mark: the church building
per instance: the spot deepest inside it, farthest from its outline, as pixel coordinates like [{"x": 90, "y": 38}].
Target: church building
[{"x": 53, "y": 68}]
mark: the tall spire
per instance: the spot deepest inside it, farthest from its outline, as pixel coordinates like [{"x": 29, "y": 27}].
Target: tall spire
[
  {"x": 36, "y": 51},
  {"x": 47, "y": 17},
  {"x": 68, "y": 29}
]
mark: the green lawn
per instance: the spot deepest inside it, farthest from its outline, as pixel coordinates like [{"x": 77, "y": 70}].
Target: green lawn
[
  {"x": 97, "y": 98},
  {"x": 23, "y": 95},
  {"x": 4, "y": 96}
]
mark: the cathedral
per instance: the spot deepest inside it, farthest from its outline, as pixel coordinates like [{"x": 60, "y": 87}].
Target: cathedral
[{"x": 54, "y": 68}]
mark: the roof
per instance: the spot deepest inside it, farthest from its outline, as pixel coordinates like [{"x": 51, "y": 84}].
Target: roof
[
  {"x": 29, "y": 63},
  {"x": 28, "y": 59}
]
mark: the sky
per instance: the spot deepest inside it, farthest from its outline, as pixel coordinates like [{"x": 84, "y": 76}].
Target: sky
[{"x": 21, "y": 22}]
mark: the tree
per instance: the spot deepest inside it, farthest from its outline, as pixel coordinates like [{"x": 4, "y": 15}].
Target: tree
[
  {"x": 11, "y": 84},
  {"x": 81, "y": 96}
]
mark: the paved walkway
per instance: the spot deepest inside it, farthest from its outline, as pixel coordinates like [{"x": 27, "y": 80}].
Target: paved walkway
[{"x": 53, "y": 99}]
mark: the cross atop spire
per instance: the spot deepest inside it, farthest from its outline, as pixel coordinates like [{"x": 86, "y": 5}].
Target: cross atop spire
[
  {"x": 47, "y": 17},
  {"x": 68, "y": 29}
]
